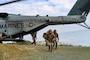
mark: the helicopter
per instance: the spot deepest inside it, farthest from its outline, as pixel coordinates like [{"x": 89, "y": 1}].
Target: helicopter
[{"x": 13, "y": 26}]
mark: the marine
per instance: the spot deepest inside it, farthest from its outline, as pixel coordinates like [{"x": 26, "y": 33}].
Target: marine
[
  {"x": 50, "y": 38},
  {"x": 34, "y": 36}
]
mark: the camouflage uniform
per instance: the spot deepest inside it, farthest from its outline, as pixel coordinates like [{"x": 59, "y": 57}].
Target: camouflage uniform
[
  {"x": 57, "y": 39},
  {"x": 50, "y": 37},
  {"x": 45, "y": 37},
  {"x": 56, "y": 35},
  {"x": 34, "y": 36}
]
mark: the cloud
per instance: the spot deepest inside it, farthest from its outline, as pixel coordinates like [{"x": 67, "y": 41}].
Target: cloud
[
  {"x": 63, "y": 3},
  {"x": 42, "y": 7}
]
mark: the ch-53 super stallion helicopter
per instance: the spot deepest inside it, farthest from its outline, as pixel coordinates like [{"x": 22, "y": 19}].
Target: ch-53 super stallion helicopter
[{"x": 13, "y": 26}]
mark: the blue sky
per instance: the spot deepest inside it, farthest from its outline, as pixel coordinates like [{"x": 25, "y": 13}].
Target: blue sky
[{"x": 69, "y": 34}]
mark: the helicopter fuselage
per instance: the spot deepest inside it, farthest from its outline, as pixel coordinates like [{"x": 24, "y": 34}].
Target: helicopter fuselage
[{"x": 14, "y": 24}]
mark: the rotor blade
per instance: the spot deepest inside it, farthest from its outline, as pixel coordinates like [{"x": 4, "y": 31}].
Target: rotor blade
[{"x": 10, "y": 2}]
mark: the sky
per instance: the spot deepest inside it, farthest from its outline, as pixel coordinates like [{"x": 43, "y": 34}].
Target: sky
[{"x": 68, "y": 34}]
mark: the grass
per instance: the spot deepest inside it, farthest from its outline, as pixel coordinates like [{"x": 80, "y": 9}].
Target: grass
[
  {"x": 31, "y": 52},
  {"x": 13, "y": 52}
]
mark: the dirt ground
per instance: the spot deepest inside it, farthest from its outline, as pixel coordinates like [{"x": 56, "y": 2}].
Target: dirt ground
[{"x": 31, "y": 52}]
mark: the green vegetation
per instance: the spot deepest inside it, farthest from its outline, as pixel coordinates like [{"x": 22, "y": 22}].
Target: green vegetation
[
  {"x": 63, "y": 44},
  {"x": 26, "y": 51},
  {"x": 25, "y": 43}
]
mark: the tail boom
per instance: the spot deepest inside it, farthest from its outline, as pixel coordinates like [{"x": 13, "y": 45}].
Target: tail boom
[{"x": 66, "y": 19}]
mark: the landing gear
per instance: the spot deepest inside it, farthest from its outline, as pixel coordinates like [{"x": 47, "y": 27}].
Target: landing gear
[{"x": 84, "y": 25}]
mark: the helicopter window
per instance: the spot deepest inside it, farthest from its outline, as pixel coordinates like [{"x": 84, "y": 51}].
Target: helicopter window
[{"x": 3, "y": 15}]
